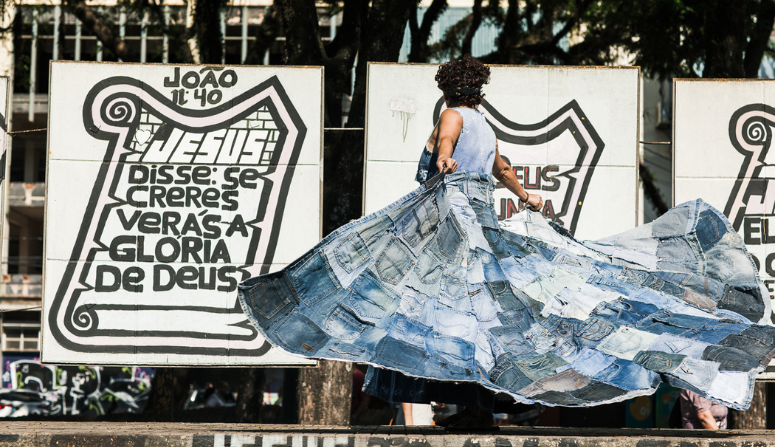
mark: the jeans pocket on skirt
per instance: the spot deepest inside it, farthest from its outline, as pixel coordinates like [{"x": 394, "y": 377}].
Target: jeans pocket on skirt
[
  {"x": 342, "y": 325},
  {"x": 394, "y": 262},
  {"x": 312, "y": 279},
  {"x": 299, "y": 334},
  {"x": 352, "y": 253}
]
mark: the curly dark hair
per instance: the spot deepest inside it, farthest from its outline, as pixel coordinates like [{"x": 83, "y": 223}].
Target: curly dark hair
[{"x": 462, "y": 79}]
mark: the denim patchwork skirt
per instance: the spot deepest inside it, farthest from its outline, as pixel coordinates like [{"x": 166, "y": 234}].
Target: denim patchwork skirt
[{"x": 434, "y": 287}]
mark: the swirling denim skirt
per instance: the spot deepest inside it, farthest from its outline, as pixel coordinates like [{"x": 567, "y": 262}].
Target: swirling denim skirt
[{"x": 434, "y": 287}]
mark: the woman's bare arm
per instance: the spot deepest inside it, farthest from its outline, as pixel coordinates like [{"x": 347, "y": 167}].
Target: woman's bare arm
[
  {"x": 450, "y": 125},
  {"x": 502, "y": 171}
]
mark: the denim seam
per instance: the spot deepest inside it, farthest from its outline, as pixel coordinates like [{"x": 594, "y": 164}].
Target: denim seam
[
  {"x": 601, "y": 325},
  {"x": 437, "y": 266}
]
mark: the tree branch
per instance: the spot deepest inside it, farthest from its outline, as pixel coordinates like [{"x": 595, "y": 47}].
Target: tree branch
[
  {"x": 158, "y": 14},
  {"x": 92, "y": 21},
  {"x": 419, "y": 43},
  {"x": 476, "y": 21},
  {"x": 581, "y": 8}
]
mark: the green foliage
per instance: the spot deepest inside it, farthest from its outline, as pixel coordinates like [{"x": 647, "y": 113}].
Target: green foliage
[{"x": 687, "y": 38}]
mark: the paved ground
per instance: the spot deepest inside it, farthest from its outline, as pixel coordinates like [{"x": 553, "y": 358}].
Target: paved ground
[{"x": 69, "y": 434}]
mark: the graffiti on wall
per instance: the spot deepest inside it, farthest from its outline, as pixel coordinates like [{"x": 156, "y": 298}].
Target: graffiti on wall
[
  {"x": 567, "y": 138},
  {"x": 187, "y": 203},
  {"x": 72, "y": 390}
]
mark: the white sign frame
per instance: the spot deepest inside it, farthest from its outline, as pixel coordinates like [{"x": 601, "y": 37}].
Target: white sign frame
[
  {"x": 569, "y": 98},
  {"x": 6, "y": 96},
  {"x": 143, "y": 113},
  {"x": 719, "y": 112}
]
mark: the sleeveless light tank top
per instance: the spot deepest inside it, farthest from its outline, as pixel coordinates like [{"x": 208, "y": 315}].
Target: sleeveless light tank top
[{"x": 474, "y": 150}]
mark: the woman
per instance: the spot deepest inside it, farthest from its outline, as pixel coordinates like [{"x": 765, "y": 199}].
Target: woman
[{"x": 433, "y": 287}]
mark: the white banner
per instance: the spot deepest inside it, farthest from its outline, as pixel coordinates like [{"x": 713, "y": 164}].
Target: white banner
[
  {"x": 722, "y": 135},
  {"x": 167, "y": 186},
  {"x": 570, "y": 134}
]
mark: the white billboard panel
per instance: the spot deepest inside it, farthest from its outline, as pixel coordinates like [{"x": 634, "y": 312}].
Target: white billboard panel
[
  {"x": 570, "y": 134},
  {"x": 5, "y": 158},
  {"x": 722, "y": 134},
  {"x": 167, "y": 186}
]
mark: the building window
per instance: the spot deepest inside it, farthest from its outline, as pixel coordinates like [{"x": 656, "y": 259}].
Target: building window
[{"x": 21, "y": 332}]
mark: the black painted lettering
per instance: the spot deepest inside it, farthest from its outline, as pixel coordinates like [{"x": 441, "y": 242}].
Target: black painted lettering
[
  {"x": 192, "y": 196},
  {"x": 141, "y": 256},
  {"x": 232, "y": 182},
  {"x": 169, "y": 221},
  {"x": 229, "y": 198},
  {"x": 160, "y": 283},
  {"x": 103, "y": 286},
  {"x": 122, "y": 254},
  {"x": 207, "y": 285},
  {"x": 211, "y": 231},
  {"x": 246, "y": 178},
  {"x": 224, "y": 277},
  {"x": 183, "y": 173},
  {"x": 173, "y": 245},
  {"x": 550, "y": 183},
  {"x": 209, "y": 78},
  {"x": 149, "y": 223},
  {"x": 132, "y": 278},
  {"x": 156, "y": 196},
  {"x": 175, "y": 197},
  {"x": 190, "y": 79},
  {"x": 227, "y": 79},
  {"x": 548, "y": 210},
  {"x": 191, "y": 246},
  {"x": 237, "y": 225},
  {"x": 210, "y": 197},
  {"x": 175, "y": 80},
  {"x": 220, "y": 252},
  {"x": 128, "y": 223},
  {"x": 768, "y": 264},
  {"x": 164, "y": 175},
  {"x": 214, "y": 97},
  {"x": 750, "y": 229},
  {"x": 201, "y": 95},
  {"x": 201, "y": 175},
  {"x": 130, "y": 196},
  {"x": 138, "y": 174},
  {"x": 185, "y": 276},
  {"x": 191, "y": 225},
  {"x": 767, "y": 237}
]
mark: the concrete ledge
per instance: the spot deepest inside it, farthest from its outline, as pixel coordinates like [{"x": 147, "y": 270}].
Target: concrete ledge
[{"x": 70, "y": 434}]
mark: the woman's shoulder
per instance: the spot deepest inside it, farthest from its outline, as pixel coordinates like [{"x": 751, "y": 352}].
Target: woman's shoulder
[{"x": 452, "y": 114}]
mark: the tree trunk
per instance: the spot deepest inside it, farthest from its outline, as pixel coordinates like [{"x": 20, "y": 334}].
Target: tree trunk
[
  {"x": 207, "y": 26},
  {"x": 160, "y": 402},
  {"x": 381, "y": 38},
  {"x": 756, "y": 415},
  {"x": 302, "y": 33},
  {"x": 760, "y": 38},
  {"x": 476, "y": 21},
  {"x": 324, "y": 394},
  {"x": 250, "y": 395},
  {"x": 725, "y": 39}
]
